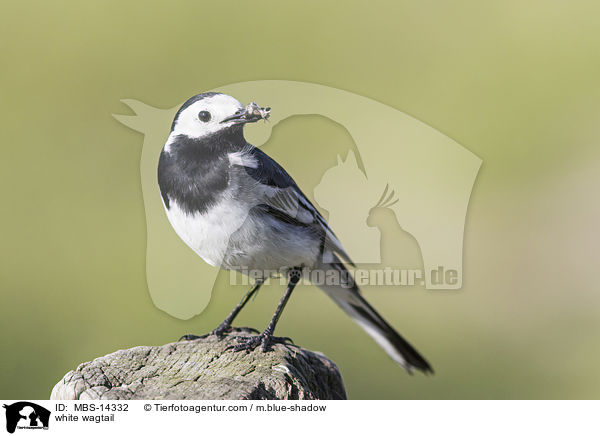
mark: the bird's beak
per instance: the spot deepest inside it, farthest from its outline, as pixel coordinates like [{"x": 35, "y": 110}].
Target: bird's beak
[
  {"x": 239, "y": 117},
  {"x": 250, "y": 114}
]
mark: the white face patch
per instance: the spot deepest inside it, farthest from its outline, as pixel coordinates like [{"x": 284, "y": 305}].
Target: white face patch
[{"x": 193, "y": 124}]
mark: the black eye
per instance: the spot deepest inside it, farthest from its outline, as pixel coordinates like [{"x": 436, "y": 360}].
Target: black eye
[{"x": 204, "y": 116}]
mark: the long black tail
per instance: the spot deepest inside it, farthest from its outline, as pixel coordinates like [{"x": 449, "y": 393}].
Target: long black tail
[{"x": 347, "y": 296}]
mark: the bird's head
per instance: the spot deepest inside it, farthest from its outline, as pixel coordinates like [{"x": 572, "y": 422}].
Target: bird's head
[{"x": 212, "y": 113}]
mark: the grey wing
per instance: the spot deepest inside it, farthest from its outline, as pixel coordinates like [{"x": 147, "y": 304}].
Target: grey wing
[
  {"x": 292, "y": 206},
  {"x": 280, "y": 197}
]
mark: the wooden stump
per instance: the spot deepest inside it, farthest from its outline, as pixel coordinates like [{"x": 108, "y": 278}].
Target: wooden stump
[{"x": 202, "y": 369}]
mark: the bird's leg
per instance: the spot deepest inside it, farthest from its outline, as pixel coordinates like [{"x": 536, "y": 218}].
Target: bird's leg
[
  {"x": 225, "y": 326},
  {"x": 266, "y": 337}
]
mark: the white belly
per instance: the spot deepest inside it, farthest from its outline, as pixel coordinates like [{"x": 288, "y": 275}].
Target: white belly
[
  {"x": 207, "y": 234},
  {"x": 226, "y": 238}
]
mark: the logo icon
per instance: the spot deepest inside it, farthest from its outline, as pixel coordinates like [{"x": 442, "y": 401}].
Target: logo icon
[
  {"x": 26, "y": 415},
  {"x": 403, "y": 206}
]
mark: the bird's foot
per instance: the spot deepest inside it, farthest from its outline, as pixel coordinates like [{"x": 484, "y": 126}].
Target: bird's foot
[
  {"x": 225, "y": 328},
  {"x": 265, "y": 340},
  {"x": 221, "y": 331}
]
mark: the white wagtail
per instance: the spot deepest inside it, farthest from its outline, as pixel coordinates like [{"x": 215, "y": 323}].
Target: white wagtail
[{"x": 238, "y": 209}]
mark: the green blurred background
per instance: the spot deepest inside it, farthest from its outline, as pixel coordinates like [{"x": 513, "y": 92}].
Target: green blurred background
[{"x": 517, "y": 83}]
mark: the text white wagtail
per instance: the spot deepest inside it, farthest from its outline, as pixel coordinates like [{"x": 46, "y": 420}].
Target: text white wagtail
[{"x": 238, "y": 209}]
